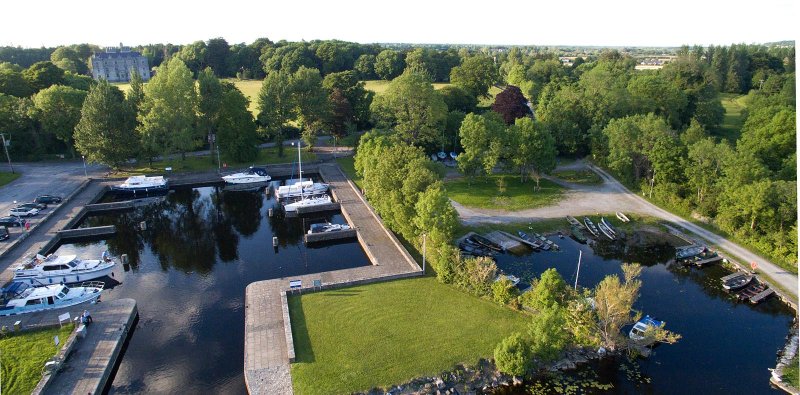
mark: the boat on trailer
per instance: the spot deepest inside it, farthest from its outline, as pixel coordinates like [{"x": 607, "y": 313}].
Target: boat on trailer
[
  {"x": 590, "y": 226},
  {"x": 622, "y": 217}
]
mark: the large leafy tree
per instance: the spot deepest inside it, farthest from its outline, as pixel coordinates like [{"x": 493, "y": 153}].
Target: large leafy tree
[
  {"x": 511, "y": 104},
  {"x": 275, "y": 107},
  {"x": 483, "y": 138},
  {"x": 458, "y": 99},
  {"x": 341, "y": 116},
  {"x": 238, "y": 139},
  {"x": 412, "y": 108},
  {"x": 12, "y": 83},
  {"x": 59, "y": 110},
  {"x": 365, "y": 67},
  {"x": 534, "y": 149},
  {"x": 389, "y": 64},
  {"x": 352, "y": 88},
  {"x": 217, "y": 56},
  {"x": 770, "y": 133},
  {"x": 42, "y": 75},
  {"x": 68, "y": 59},
  {"x": 105, "y": 132},
  {"x": 513, "y": 355},
  {"x": 168, "y": 115},
  {"x": 641, "y": 145},
  {"x": 564, "y": 115},
  {"x": 310, "y": 101},
  {"x": 476, "y": 75}
]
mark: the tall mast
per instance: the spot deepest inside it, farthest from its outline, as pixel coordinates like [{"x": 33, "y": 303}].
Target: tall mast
[
  {"x": 300, "y": 165},
  {"x": 580, "y": 253}
]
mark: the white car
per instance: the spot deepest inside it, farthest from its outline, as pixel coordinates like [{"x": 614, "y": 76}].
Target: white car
[{"x": 24, "y": 211}]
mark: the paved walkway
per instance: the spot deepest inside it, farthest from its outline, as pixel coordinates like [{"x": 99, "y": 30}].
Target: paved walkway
[
  {"x": 88, "y": 367},
  {"x": 612, "y": 196},
  {"x": 266, "y": 356}
]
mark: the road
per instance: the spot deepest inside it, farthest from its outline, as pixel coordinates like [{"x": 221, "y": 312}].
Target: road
[
  {"x": 612, "y": 196},
  {"x": 59, "y": 178}
]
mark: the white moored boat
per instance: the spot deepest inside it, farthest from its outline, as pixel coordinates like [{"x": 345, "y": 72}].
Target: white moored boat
[
  {"x": 622, "y": 217},
  {"x": 252, "y": 175},
  {"x": 327, "y": 227},
  {"x": 142, "y": 184},
  {"x": 300, "y": 189},
  {"x": 308, "y": 202},
  {"x": 51, "y": 297},
  {"x": 62, "y": 269}
]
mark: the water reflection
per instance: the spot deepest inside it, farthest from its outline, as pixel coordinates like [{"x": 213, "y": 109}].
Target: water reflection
[{"x": 189, "y": 266}]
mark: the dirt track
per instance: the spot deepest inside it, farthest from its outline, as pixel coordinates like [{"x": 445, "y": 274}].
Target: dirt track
[{"x": 611, "y": 196}]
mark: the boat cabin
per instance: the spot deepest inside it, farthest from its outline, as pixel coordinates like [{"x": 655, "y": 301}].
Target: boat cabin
[{"x": 41, "y": 296}]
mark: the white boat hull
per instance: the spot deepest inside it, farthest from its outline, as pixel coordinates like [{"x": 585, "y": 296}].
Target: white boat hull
[
  {"x": 65, "y": 278},
  {"x": 91, "y": 295}
]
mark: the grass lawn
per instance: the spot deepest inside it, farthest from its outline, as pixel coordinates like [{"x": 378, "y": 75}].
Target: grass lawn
[
  {"x": 5, "y": 177},
  {"x": 483, "y": 192},
  {"x": 24, "y": 355},
  {"x": 378, "y": 335},
  {"x": 348, "y": 166},
  {"x": 379, "y": 86},
  {"x": 732, "y": 123},
  {"x": 250, "y": 89},
  {"x": 586, "y": 177},
  {"x": 200, "y": 163},
  {"x": 790, "y": 374}
]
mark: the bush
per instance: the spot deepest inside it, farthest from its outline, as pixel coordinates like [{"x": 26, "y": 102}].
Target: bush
[
  {"x": 513, "y": 355},
  {"x": 549, "y": 335},
  {"x": 504, "y": 291}
]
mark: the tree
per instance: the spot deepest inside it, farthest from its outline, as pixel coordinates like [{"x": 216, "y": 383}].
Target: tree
[
  {"x": 365, "y": 67},
  {"x": 482, "y": 138},
  {"x": 217, "y": 57},
  {"x": 561, "y": 109},
  {"x": 614, "y": 301},
  {"x": 548, "y": 291},
  {"x": 436, "y": 218},
  {"x": 12, "y": 83},
  {"x": 238, "y": 139},
  {"x": 481, "y": 272},
  {"x": 548, "y": 333},
  {"x": 639, "y": 145},
  {"x": 770, "y": 133},
  {"x": 341, "y": 113},
  {"x": 511, "y": 104},
  {"x": 59, "y": 111},
  {"x": 104, "y": 133},
  {"x": 412, "y": 108},
  {"x": 69, "y": 59},
  {"x": 168, "y": 115},
  {"x": 476, "y": 75},
  {"x": 310, "y": 101},
  {"x": 534, "y": 148},
  {"x": 389, "y": 64},
  {"x": 504, "y": 291},
  {"x": 209, "y": 94},
  {"x": 135, "y": 96},
  {"x": 704, "y": 168},
  {"x": 458, "y": 99},
  {"x": 653, "y": 93},
  {"x": 194, "y": 56},
  {"x": 275, "y": 107},
  {"x": 513, "y": 355},
  {"x": 82, "y": 82},
  {"x": 352, "y": 89},
  {"x": 42, "y": 75}
]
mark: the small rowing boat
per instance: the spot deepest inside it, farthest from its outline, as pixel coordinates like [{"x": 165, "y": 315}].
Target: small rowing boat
[
  {"x": 622, "y": 217},
  {"x": 605, "y": 231},
  {"x": 590, "y": 226}
]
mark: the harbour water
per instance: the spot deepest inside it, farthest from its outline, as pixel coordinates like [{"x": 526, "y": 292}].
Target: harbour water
[
  {"x": 191, "y": 255},
  {"x": 726, "y": 346}
]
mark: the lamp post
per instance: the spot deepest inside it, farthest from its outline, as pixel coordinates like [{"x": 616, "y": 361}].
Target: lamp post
[
  {"x": 424, "y": 251},
  {"x": 5, "y": 146},
  {"x": 85, "y": 174}
]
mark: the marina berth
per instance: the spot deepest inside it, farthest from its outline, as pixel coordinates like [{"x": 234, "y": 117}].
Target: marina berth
[
  {"x": 63, "y": 269},
  {"x": 49, "y": 297}
]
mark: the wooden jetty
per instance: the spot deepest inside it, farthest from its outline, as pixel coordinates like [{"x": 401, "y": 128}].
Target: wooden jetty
[
  {"x": 109, "y": 207},
  {"x": 755, "y": 288},
  {"x": 503, "y": 240},
  {"x": 521, "y": 240},
  {"x": 759, "y": 297},
  {"x": 707, "y": 261},
  {"x": 69, "y": 234},
  {"x": 330, "y": 236}
]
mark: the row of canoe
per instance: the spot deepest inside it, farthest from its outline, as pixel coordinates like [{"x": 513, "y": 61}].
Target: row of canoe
[{"x": 603, "y": 227}]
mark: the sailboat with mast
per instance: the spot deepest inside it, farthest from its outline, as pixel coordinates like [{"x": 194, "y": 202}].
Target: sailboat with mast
[
  {"x": 310, "y": 200},
  {"x": 300, "y": 187}
]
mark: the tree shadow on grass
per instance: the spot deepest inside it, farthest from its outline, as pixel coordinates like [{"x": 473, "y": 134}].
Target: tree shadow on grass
[{"x": 302, "y": 343}]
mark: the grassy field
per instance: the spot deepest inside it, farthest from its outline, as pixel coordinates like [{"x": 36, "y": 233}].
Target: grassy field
[
  {"x": 200, "y": 163},
  {"x": 790, "y": 374},
  {"x": 732, "y": 123},
  {"x": 586, "y": 177},
  {"x": 379, "y": 86},
  {"x": 5, "y": 177},
  {"x": 483, "y": 192},
  {"x": 348, "y": 167},
  {"x": 23, "y": 357},
  {"x": 250, "y": 89},
  {"x": 377, "y": 335}
]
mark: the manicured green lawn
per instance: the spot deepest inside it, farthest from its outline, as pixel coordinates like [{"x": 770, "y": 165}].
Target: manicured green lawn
[
  {"x": 586, "y": 177},
  {"x": 732, "y": 123},
  {"x": 23, "y": 357},
  {"x": 382, "y": 334},
  {"x": 483, "y": 192},
  {"x": 250, "y": 89},
  {"x": 200, "y": 163},
  {"x": 5, "y": 177},
  {"x": 348, "y": 166}
]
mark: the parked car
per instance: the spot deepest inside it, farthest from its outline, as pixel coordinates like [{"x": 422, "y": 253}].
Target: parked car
[
  {"x": 4, "y": 233},
  {"x": 23, "y": 212},
  {"x": 10, "y": 221},
  {"x": 48, "y": 199},
  {"x": 38, "y": 206}
]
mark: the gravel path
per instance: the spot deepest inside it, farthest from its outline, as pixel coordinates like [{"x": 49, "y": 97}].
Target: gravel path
[{"x": 612, "y": 196}]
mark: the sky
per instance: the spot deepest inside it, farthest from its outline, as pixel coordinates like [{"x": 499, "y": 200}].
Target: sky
[{"x": 526, "y": 22}]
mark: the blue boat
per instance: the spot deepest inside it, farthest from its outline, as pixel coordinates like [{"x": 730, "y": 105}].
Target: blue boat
[{"x": 639, "y": 328}]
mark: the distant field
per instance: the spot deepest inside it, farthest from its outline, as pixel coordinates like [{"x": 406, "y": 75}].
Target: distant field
[
  {"x": 379, "y": 86},
  {"x": 483, "y": 192},
  {"x": 734, "y": 119},
  {"x": 250, "y": 89}
]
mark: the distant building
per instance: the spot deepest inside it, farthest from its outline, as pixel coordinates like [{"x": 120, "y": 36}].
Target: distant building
[{"x": 116, "y": 65}]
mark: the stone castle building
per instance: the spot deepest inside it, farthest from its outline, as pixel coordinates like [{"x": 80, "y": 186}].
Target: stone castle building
[{"x": 116, "y": 64}]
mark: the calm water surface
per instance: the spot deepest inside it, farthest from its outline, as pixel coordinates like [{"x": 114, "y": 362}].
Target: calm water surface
[
  {"x": 726, "y": 346},
  {"x": 188, "y": 271}
]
